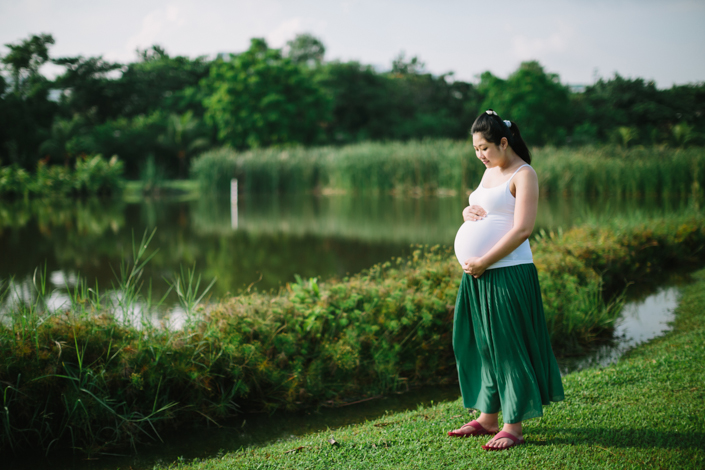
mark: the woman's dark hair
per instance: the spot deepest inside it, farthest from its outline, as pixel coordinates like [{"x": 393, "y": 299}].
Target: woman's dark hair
[{"x": 493, "y": 128}]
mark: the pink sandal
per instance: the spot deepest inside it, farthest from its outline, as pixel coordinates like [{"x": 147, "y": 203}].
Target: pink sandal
[
  {"x": 479, "y": 430},
  {"x": 515, "y": 441}
]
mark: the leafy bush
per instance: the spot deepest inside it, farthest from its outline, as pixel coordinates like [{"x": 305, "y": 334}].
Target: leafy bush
[
  {"x": 91, "y": 176},
  {"x": 132, "y": 139},
  {"x": 14, "y": 181},
  {"x": 95, "y": 175}
]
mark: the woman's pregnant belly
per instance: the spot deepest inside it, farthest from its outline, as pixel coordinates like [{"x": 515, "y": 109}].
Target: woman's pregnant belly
[{"x": 475, "y": 238}]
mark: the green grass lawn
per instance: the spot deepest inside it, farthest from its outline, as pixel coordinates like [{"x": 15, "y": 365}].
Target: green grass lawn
[{"x": 646, "y": 411}]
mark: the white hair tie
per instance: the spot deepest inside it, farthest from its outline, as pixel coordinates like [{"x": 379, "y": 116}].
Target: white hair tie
[
  {"x": 508, "y": 123},
  {"x": 491, "y": 112}
]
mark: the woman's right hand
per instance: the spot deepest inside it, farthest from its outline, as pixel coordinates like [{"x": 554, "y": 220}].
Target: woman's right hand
[{"x": 473, "y": 213}]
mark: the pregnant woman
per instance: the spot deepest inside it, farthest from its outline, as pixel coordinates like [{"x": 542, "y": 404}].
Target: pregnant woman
[{"x": 501, "y": 343}]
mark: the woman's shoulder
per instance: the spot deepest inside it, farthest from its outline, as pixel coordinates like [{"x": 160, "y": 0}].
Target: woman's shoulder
[
  {"x": 526, "y": 171},
  {"x": 525, "y": 177}
]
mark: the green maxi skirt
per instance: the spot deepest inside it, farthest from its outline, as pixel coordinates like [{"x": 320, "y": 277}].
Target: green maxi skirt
[{"x": 501, "y": 344}]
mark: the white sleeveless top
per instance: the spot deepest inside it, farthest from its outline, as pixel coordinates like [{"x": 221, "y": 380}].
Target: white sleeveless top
[{"x": 475, "y": 238}]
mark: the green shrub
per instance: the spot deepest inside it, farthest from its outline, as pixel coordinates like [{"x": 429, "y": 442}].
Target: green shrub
[
  {"x": 94, "y": 175},
  {"x": 91, "y": 176},
  {"x": 14, "y": 181}
]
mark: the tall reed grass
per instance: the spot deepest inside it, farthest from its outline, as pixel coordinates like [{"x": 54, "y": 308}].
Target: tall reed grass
[
  {"x": 72, "y": 376},
  {"x": 437, "y": 165},
  {"x": 370, "y": 166},
  {"x": 86, "y": 378}
]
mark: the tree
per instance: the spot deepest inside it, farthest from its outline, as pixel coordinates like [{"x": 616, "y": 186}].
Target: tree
[
  {"x": 305, "y": 49},
  {"x": 686, "y": 103},
  {"x": 412, "y": 67},
  {"x": 154, "y": 81},
  {"x": 430, "y": 106},
  {"x": 24, "y": 60},
  {"x": 89, "y": 89},
  {"x": 405, "y": 103},
  {"x": 536, "y": 100},
  {"x": 25, "y": 111},
  {"x": 259, "y": 98},
  {"x": 629, "y": 103},
  {"x": 67, "y": 140},
  {"x": 635, "y": 103},
  {"x": 183, "y": 137},
  {"x": 159, "y": 81},
  {"x": 361, "y": 101},
  {"x": 132, "y": 140}
]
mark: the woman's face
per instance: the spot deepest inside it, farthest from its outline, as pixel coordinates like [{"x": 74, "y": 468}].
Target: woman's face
[{"x": 489, "y": 153}]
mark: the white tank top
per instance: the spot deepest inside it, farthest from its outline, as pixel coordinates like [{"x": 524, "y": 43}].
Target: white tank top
[{"x": 475, "y": 238}]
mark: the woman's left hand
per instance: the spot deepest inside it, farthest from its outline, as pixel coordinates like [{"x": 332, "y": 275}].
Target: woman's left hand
[{"x": 474, "y": 267}]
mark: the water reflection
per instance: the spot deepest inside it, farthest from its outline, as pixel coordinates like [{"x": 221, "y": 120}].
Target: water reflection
[
  {"x": 274, "y": 237},
  {"x": 428, "y": 220},
  {"x": 59, "y": 294},
  {"x": 640, "y": 320}
]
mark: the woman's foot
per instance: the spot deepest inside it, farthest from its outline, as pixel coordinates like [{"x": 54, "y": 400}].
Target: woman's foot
[
  {"x": 499, "y": 443},
  {"x": 488, "y": 424}
]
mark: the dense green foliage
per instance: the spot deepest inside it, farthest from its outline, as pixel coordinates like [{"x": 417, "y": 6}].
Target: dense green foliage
[
  {"x": 433, "y": 165},
  {"x": 643, "y": 412},
  {"x": 534, "y": 99},
  {"x": 85, "y": 376},
  {"x": 259, "y": 98},
  {"x": 263, "y": 96},
  {"x": 25, "y": 112},
  {"x": 92, "y": 176}
]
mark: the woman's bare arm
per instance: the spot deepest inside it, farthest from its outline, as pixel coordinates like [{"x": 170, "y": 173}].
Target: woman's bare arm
[{"x": 527, "y": 199}]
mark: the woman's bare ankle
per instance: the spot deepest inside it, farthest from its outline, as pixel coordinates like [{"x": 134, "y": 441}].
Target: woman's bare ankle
[
  {"x": 489, "y": 421},
  {"x": 513, "y": 428}
]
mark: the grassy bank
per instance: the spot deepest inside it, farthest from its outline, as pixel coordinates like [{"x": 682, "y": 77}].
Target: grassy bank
[
  {"x": 432, "y": 166},
  {"x": 643, "y": 412},
  {"x": 84, "y": 378}
]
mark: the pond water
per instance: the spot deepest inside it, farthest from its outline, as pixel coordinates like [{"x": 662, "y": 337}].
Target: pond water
[{"x": 643, "y": 318}]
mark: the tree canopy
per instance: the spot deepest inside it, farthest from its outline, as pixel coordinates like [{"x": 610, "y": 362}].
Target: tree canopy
[
  {"x": 536, "y": 100},
  {"x": 260, "y": 98},
  {"x": 163, "y": 109}
]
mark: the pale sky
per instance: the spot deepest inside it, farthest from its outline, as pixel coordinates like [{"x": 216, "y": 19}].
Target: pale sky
[{"x": 657, "y": 40}]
